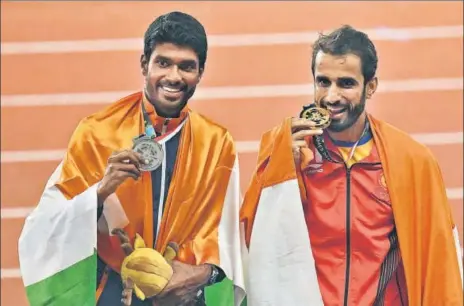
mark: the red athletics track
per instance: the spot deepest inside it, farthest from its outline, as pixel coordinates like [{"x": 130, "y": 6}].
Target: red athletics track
[{"x": 420, "y": 69}]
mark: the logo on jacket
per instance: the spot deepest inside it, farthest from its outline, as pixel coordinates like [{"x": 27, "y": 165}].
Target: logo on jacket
[{"x": 381, "y": 191}]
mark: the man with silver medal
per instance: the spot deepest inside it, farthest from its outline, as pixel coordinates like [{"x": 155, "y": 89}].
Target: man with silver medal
[
  {"x": 168, "y": 101},
  {"x": 142, "y": 142},
  {"x": 134, "y": 191}
]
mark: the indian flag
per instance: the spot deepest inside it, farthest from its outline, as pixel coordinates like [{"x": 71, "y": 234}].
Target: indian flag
[
  {"x": 57, "y": 248},
  {"x": 281, "y": 268}
]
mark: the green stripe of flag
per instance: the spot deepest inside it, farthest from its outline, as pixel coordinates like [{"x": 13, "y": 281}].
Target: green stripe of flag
[
  {"x": 74, "y": 286},
  {"x": 221, "y": 294}
]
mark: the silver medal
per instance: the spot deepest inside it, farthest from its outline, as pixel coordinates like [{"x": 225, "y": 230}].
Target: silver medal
[{"x": 151, "y": 151}]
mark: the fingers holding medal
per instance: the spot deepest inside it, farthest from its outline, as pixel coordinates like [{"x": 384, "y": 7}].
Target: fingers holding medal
[
  {"x": 318, "y": 115},
  {"x": 146, "y": 155},
  {"x": 311, "y": 122},
  {"x": 121, "y": 166}
]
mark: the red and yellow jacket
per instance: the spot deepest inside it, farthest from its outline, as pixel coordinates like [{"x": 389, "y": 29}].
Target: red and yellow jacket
[
  {"x": 351, "y": 238},
  {"x": 353, "y": 235}
]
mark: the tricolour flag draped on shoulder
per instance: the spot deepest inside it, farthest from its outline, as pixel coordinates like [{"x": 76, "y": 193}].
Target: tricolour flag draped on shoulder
[
  {"x": 57, "y": 248},
  {"x": 281, "y": 269}
]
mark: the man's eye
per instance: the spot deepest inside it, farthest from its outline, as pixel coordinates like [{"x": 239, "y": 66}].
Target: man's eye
[
  {"x": 162, "y": 63},
  {"x": 187, "y": 68},
  {"x": 347, "y": 83}
]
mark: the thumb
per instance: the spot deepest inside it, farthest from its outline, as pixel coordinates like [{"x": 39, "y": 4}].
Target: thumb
[
  {"x": 171, "y": 252},
  {"x": 306, "y": 155},
  {"x": 124, "y": 240}
]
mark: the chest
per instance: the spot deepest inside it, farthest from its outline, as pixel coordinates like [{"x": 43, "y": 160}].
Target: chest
[{"x": 343, "y": 201}]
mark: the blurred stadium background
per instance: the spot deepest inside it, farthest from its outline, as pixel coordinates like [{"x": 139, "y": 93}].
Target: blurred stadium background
[{"x": 61, "y": 61}]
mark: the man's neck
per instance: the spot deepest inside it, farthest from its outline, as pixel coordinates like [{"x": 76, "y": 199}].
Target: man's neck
[{"x": 351, "y": 134}]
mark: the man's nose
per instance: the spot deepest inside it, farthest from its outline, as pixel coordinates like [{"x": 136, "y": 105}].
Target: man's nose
[
  {"x": 173, "y": 75},
  {"x": 333, "y": 94}
]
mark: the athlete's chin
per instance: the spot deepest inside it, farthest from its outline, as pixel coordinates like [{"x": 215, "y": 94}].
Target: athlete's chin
[
  {"x": 171, "y": 103},
  {"x": 338, "y": 121},
  {"x": 339, "y": 125},
  {"x": 170, "y": 107}
]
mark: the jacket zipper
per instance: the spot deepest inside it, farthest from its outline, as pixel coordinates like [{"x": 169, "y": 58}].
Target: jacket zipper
[
  {"x": 165, "y": 126},
  {"x": 348, "y": 234},
  {"x": 348, "y": 224},
  {"x": 348, "y": 228}
]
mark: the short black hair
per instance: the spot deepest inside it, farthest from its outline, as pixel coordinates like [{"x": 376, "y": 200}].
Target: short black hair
[
  {"x": 180, "y": 29},
  {"x": 345, "y": 40}
]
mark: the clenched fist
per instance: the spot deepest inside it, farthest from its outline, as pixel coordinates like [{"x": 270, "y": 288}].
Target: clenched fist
[
  {"x": 121, "y": 166},
  {"x": 302, "y": 128}
]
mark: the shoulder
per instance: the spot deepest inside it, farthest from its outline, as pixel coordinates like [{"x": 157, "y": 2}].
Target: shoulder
[
  {"x": 408, "y": 146},
  {"x": 211, "y": 138},
  {"x": 215, "y": 130},
  {"x": 278, "y": 136},
  {"x": 101, "y": 126}
]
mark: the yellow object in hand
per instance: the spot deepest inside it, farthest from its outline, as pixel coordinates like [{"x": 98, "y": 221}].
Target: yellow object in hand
[{"x": 148, "y": 269}]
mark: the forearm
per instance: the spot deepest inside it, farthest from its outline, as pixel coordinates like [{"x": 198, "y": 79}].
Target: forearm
[
  {"x": 110, "y": 213},
  {"x": 99, "y": 210},
  {"x": 101, "y": 198}
]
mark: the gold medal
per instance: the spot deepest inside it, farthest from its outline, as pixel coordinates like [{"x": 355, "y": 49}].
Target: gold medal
[{"x": 318, "y": 115}]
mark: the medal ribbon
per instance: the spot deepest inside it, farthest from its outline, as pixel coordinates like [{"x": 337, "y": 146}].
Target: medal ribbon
[
  {"x": 320, "y": 145},
  {"x": 150, "y": 129}
]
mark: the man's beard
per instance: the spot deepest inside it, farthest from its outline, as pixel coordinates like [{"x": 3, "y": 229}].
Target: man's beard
[
  {"x": 352, "y": 115},
  {"x": 189, "y": 94}
]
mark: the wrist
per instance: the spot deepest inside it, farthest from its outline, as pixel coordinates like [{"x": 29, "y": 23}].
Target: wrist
[
  {"x": 203, "y": 275},
  {"x": 101, "y": 196}
]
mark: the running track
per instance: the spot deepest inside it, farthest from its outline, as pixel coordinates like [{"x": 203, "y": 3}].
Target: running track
[{"x": 63, "y": 61}]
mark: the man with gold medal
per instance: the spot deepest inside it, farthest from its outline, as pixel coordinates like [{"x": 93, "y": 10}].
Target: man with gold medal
[
  {"x": 144, "y": 207},
  {"x": 357, "y": 210}
]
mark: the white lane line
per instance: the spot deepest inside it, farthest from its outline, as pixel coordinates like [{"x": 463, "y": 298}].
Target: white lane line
[
  {"x": 10, "y": 273},
  {"x": 16, "y": 213},
  {"x": 227, "y": 92},
  {"x": 242, "y": 147},
  {"x": 23, "y": 212},
  {"x": 430, "y": 139},
  {"x": 233, "y": 40}
]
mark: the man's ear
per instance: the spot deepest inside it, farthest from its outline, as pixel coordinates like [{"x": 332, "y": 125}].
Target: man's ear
[
  {"x": 144, "y": 65},
  {"x": 201, "y": 74},
  {"x": 372, "y": 87}
]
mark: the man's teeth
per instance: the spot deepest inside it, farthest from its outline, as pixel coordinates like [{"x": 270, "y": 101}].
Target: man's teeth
[
  {"x": 170, "y": 89},
  {"x": 336, "y": 110}
]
